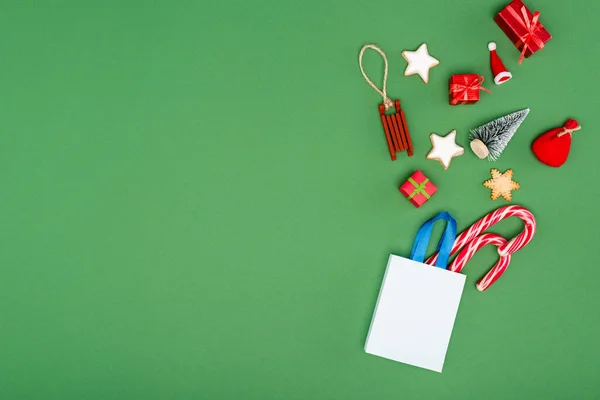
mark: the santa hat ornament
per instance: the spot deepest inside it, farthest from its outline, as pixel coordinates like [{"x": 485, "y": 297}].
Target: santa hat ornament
[
  {"x": 552, "y": 148},
  {"x": 501, "y": 75}
]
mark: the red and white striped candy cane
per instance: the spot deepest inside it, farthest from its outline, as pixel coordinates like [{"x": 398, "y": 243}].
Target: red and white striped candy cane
[
  {"x": 469, "y": 251},
  {"x": 473, "y": 239}
]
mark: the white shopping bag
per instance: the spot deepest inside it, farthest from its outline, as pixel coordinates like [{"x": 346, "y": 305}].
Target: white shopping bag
[{"x": 417, "y": 304}]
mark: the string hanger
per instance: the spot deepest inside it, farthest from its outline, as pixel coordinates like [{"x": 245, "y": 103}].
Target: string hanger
[
  {"x": 383, "y": 93},
  {"x": 570, "y": 126},
  {"x": 394, "y": 125}
]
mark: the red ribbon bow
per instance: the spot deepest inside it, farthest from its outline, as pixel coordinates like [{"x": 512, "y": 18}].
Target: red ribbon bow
[
  {"x": 532, "y": 26},
  {"x": 462, "y": 89}
]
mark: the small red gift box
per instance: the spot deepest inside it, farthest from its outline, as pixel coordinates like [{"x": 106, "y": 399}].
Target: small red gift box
[
  {"x": 418, "y": 189},
  {"x": 523, "y": 28},
  {"x": 465, "y": 88}
]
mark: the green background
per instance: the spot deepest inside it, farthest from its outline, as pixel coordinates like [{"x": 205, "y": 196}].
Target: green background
[{"x": 198, "y": 202}]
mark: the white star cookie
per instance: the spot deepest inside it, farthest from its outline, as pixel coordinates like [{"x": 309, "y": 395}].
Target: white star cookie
[
  {"x": 419, "y": 62},
  {"x": 444, "y": 148}
]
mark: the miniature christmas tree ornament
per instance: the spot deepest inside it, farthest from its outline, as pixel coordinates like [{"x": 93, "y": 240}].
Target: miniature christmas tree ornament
[
  {"x": 444, "y": 148},
  {"x": 552, "y": 148},
  {"x": 501, "y": 184},
  {"x": 419, "y": 62},
  {"x": 499, "y": 71},
  {"x": 395, "y": 127},
  {"x": 489, "y": 140}
]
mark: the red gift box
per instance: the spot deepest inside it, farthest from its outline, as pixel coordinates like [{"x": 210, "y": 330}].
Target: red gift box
[
  {"x": 418, "y": 189},
  {"x": 465, "y": 88},
  {"x": 523, "y": 28}
]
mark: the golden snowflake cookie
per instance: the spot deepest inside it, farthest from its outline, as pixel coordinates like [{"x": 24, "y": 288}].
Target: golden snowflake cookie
[{"x": 501, "y": 184}]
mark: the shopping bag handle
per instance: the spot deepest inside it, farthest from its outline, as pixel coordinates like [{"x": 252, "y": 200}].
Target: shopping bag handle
[{"x": 445, "y": 244}]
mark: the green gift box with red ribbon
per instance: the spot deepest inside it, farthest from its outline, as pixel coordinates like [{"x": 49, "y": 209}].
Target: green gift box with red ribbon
[
  {"x": 523, "y": 28},
  {"x": 418, "y": 189}
]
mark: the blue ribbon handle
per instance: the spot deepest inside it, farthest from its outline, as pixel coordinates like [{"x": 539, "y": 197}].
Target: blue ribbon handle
[{"x": 444, "y": 246}]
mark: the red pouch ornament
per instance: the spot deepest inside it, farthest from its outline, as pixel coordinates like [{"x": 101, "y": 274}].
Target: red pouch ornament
[{"x": 552, "y": 148}]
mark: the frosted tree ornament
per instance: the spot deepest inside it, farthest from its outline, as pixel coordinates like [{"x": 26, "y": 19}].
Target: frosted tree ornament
[{"x": 489, "y": 140}]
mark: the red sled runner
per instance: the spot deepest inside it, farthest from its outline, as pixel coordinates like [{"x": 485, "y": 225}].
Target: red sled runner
[{"x": 396, "y": 131}]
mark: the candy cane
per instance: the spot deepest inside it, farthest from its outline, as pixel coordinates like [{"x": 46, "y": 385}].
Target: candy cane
[
  {"x": 469, "y": 251},
  {"x": 472, "y": 240}
]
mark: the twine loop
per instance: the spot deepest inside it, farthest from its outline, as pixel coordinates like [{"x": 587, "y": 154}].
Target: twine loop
[{"x": 383, "y": 92}]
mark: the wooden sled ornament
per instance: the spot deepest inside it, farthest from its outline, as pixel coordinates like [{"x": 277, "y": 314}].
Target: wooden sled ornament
[
  {"x": 396, "y": 131},
  {"x": 394, "y": 125}
]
